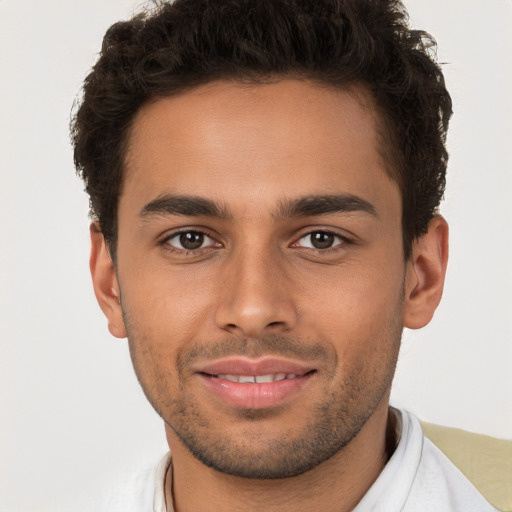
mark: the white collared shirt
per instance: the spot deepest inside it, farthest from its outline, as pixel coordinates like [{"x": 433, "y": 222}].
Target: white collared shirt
[{"x": 417, "y": 478}]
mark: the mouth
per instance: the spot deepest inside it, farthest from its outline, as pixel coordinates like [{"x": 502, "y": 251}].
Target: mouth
[
  {"x": 255, "y": 384},
  {"x": 256, "y": 379}
]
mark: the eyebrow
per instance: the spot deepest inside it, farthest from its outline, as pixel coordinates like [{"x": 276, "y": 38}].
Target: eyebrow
[
  {"x": 323, "y": 205},
  {"x": 193, "y": 206}
]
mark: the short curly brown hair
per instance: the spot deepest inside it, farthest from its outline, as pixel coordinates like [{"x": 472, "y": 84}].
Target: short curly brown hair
[{"x": 181, "y": 45}]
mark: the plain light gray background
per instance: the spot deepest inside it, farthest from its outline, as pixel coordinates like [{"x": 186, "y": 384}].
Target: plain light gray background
[{"x": 73, "y": 418}]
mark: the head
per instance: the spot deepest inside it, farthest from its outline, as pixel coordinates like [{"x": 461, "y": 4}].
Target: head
[
  {"x": 264, "y": 179},
  {"x": 335, "y": 43}
]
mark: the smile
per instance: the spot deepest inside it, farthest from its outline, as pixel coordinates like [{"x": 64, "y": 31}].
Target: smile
[
  {"x": 256, "y": 379},
  {"x": 245, "y": 383}
]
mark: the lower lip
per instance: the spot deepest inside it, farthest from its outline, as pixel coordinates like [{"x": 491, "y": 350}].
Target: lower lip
[{"x": 255, "y": 395}]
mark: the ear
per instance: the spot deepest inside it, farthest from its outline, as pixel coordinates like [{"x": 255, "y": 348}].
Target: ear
[
  {"x": 105, "y": 283},
  {"x": 426, "y": 269}
]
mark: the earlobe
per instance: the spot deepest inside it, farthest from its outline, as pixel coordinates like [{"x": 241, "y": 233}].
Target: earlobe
[
  {"x": 425, "y": 275},
  {"x": 106, "y": 287}
]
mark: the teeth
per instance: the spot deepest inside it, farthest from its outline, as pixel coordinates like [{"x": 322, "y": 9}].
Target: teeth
[
  {"x": 235, "y": 378},
  {"x": 260, "y": 379},
  {"x": 264, "y": 378},
  {"x": 246, "y": 378}
]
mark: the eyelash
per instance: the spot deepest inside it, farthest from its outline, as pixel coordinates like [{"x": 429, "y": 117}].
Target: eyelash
[
  {"x": 167, "y": 246},
  {"x": 343, "y": 240}
]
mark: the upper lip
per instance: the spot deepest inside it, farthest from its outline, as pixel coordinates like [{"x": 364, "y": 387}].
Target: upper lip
[{"x": 246, "y": 366}]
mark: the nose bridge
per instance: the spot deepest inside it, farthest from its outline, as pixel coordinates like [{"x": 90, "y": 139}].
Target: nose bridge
[{"x": 256, "y": 296}]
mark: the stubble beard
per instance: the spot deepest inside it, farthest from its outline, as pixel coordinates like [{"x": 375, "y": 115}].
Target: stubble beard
[{"x": 332, "y": 425}]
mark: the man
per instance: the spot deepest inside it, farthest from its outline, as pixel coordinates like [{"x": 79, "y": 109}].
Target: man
[{"x": 265, "y": 180}]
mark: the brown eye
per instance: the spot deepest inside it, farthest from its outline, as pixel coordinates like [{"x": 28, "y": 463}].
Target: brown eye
[
  {"x": 190, "y": 241},
  {"x": 320, "y": 240}
]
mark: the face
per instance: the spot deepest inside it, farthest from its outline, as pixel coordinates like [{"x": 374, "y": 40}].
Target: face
[{"x": 260, "y": 271}]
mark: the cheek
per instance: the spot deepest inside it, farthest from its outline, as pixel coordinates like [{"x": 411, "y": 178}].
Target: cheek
[
  {"x": 354, "y": 296},
  {"x": 359, "y": 311},
  {"x": 165, "y": 304}
]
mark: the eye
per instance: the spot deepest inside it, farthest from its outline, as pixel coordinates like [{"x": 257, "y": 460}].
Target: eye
[
  {"x": 320, "y": 240},
  {"x": 190, "y": 241}
]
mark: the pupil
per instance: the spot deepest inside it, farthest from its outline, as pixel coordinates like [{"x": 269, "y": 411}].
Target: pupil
[
  {"x": 191, "y": 240},
  {"x": 321, "y": 240}
]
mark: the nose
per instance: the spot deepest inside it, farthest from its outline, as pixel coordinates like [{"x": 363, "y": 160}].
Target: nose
[{"x": 257, "y": 296}]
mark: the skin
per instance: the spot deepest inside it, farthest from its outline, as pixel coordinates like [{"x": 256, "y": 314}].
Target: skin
[{"x": 257, "y": 286}]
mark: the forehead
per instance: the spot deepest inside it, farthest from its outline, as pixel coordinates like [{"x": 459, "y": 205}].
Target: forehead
[{"x": 236, "y": 142}]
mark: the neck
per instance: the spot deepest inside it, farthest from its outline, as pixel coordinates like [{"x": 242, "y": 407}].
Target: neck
[{"x": 336, "y": 485}]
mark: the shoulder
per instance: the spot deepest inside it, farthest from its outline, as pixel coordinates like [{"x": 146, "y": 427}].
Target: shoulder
[
  {"x": 139, "y": 489},
  {"x": 485, "y": 461}
]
